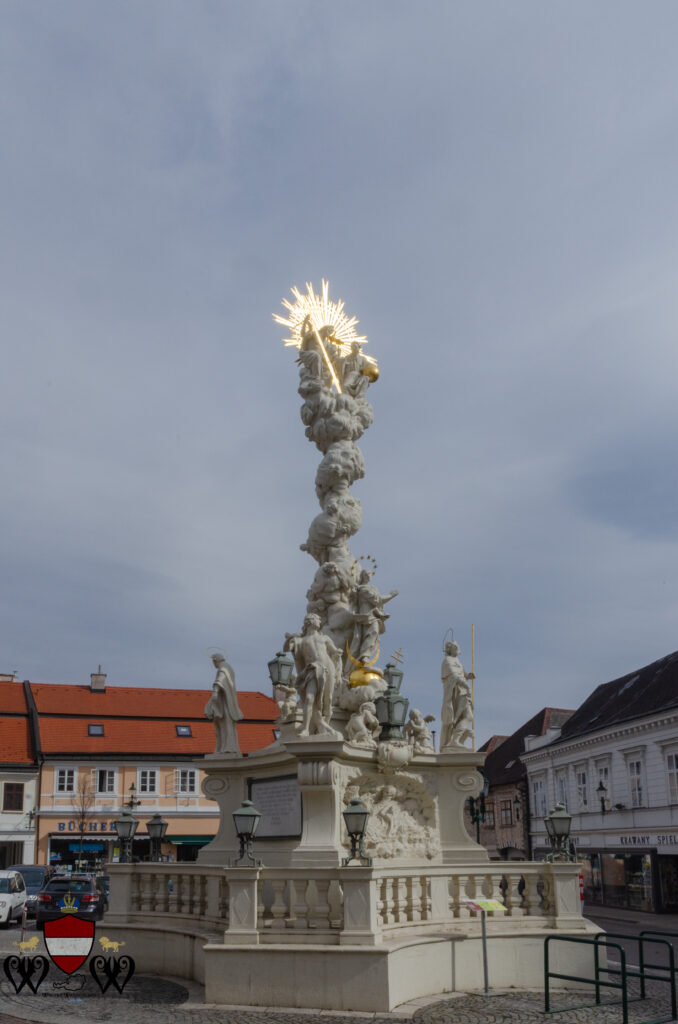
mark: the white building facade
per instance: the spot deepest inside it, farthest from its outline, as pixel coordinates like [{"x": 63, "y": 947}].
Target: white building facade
[{"x": 615, "y": 767}]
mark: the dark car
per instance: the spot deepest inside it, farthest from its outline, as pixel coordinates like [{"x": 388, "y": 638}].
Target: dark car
[
  {"x": 83, "y": 893},
  {"x": 34, "y": 876}
]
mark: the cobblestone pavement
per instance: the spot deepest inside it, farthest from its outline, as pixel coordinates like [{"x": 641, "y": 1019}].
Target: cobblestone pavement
[{"x": 150, "y": 1000}]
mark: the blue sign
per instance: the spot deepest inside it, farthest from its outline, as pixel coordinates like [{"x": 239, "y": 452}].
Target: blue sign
[{"x": 86, "y": 846}]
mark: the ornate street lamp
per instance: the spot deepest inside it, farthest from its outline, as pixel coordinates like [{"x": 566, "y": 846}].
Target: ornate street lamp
[
  {"x": 516, "y": 806},
  {"x": 391, "y": 707},
  {"x": 602, "y": 793},
  {"x": 355, "y": 817},
  {"x": 132, "y": 802},
  {"x": 246, "y": 820},
  {"x": 558, "y": 828},
  {"x": 125, "y": 826},
  {"x": 280, "y": 669},
  {"x": 156, "y": 828}
]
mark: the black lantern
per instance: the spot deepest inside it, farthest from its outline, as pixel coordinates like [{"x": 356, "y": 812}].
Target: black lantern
[
  {"x": 391, "y": 707},
  {"x": 280, "y": 669},
  {"x": 125, "y": 826},
  {"x": 558, "y": 828},
  {"x": 602, "y": 793},
  {"x": 246, "y": 820},
  {"x": 355, "y": 817},
  {"x": 156, "y": 828},
  {"x": 516, "y": 806}
]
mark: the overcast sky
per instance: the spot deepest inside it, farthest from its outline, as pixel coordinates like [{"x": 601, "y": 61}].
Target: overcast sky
[{"x": 490, "y": 187}]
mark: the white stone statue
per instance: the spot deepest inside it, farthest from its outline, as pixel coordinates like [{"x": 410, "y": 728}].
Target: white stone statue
[
  {"x": 417, "y": 732},
  {"x": 457, "y": 710},
  {"x": 318, "y": 664},
  {"x": 287, "y": 699},
  {"x": 356, "y": 372},
  {"x": 222, "y": 708},
  {"x": 369, "y": 617},
  {"x": 363, "y": 727}
]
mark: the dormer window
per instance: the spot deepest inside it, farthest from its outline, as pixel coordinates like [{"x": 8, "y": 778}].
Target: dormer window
[
  {"x": 95, "y": 730},
  {"x": 184, "y": 730}
]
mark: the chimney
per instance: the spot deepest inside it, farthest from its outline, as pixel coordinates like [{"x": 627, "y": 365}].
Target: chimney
[{"x": 97, "y": 681}]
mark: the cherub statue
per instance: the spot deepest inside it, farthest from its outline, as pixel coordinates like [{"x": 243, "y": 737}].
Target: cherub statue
[
  {"x": 417, "y": 732},
  {"x": 357, "y": 372},
  {"x": 363, "y": 727},
  {"x": 318, "y": 664},
  {"x": 457, "y": 710},
  {"x": 288, "y": 701},
  {"x": 222, "y": 707}
]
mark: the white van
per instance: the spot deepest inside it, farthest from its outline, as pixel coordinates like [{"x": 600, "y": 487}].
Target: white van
[{"x": 12, "y": 897}]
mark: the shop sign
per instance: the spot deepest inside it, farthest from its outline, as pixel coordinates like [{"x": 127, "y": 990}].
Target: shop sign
[
  {"x": 93, "y": 826},
  {"x": 657, "y": 839}
]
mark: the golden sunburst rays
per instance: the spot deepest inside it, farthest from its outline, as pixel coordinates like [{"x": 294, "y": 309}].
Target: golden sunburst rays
[{"x": 324, "y": 316}]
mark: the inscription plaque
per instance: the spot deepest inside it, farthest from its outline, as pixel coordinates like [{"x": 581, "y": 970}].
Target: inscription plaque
[{"x": 279, "y": 801}]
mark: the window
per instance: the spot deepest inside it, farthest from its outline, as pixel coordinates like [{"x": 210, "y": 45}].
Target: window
[
  {"x": 105, "y": 780},
  {"x": 636, "y": 780},
  {"x": 184, "y": 730},
  {"x": 539, "y": 797},
  {"x": 186, "y": 780},
  {"x": 505, "y": 812},
  {"x": 148, "y": 780},
  {"x": 672, "y": 769},
  {"x": 582, "y": 788},
  {"x": 95, "y": 730},
  {"x": 561, "y": 789},
  {"x": 13, "y": 796},
  {"x": 489, "y": 815},
  {"x": 65, "y": 780}
]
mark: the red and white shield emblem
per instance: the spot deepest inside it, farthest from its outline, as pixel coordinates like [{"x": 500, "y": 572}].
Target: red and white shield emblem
[{"x": 69, "y": 941}]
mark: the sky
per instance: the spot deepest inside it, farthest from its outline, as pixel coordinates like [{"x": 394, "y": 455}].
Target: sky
[{"x": 490, "y": 188}]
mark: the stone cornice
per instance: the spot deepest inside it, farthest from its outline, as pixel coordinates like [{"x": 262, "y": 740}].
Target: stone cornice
[{"x": 592, "y": 740}]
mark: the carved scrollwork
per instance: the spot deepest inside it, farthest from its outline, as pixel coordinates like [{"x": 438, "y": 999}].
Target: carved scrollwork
[
  {"x": 468, "y": 782},
  {"x": 213, "y": 785},
  {"x": 315, "y": 773}
]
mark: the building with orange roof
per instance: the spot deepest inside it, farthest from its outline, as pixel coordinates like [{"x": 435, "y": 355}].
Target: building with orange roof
[
  {"x": 18, "y": 776},
  {"x": 96, "y": 748}
]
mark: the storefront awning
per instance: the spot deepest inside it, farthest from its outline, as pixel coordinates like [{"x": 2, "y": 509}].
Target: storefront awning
[{"x": 194, "y": 840}]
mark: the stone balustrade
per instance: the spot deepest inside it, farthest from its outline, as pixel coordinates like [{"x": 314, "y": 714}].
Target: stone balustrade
[{"x": 350, "y": 905}]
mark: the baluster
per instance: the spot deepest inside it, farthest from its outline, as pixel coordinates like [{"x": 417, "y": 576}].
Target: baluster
[
  {"x": 172, "y": 893},
  {"x": 381, "y": 902},
  {"x": 278, "y": 905},
  {"x": 491, "y": 889},
  {"x": 426, "y": 902},
  {"x": 223, "y": 898},
  {"x": 546, "y": 893},
  {"x": 298, "y": 908},
  {"x": 336, "y": 901},
  {"x": 202, "y": 895},
  {"x": 397, "y": 902},
  {"x": 531, "y": 895},
  {"x": 513, "y": 897},
  {"x": 135, "y": 897},
  {"x": 311, "y": 897},
  {"x": 466, "y": 889},
  {"x": 322, "y": 908}
]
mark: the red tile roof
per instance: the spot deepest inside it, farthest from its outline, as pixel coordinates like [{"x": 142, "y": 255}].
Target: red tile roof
[
  {"x": 15, "y": 741},
  {"x": 12, "y": 698},
  {"x": 140, "y": 702},
  {"x": 69, "y": 735}
]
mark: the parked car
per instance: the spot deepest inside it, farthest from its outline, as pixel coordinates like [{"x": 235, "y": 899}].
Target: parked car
[
  {"x": 34, "y": 876},
  {"x": 81, "y": 891},
  {"x": 12, "y": 897}
]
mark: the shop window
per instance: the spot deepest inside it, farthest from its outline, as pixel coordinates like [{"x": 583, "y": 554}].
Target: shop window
[
  {"x": 148, "y": 780},
  {"x": 636, "y": 781},
  {"x": 13, "y": 796},
  {"x": 672, "y": 770},
  {"x": 489, "y": 815},
  {"x": 65, "y": 780},
  {"x": 582, "y": 788},
  {"x": 185, "y": 780},
  {"x": 105, "y": 780},
  {"x": 95, "y": 730},
  {"x": 184, "y": 730},
  {"x": 505, "y": 812},
  {"x": 539, "y": 797}
]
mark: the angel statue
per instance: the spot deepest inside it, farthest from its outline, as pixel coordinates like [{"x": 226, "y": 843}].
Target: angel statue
[
  {"x": 457, "y": 710},
  {"x": 417, "y": 732},
  {"x": 369, "y": 617}
]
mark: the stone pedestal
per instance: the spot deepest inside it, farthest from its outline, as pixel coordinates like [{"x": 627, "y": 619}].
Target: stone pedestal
[{"x": 416, "y": 810}]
